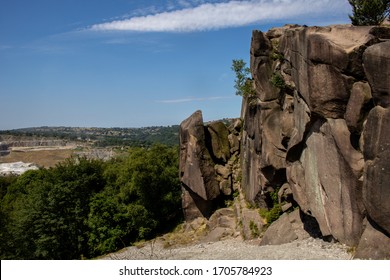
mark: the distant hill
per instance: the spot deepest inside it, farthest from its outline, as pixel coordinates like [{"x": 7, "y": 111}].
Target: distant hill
[{"x": 100, "y": 137}]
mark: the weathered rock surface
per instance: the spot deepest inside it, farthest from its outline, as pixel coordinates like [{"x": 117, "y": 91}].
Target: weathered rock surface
[
  {"x": 314, "y": 125},
  {"x": 328, "y": 186},
  {"x": 219, "y": 138},
  {"x": 222, "y": 224},
  {"x": 251, "y": 222},
  {"x": 376, "y": 188},
  {"x": 374, "y": 244},
  {"x": 357, "y": 106},
  {"x": 315, "y": 133},
  {"x": 324, "y": 62},
  {"x": 376, "y": 61},
  {"x": 197, "y": 172},
  {"x": 206, "y": 168},
  {"x": 289, "y": 227}
]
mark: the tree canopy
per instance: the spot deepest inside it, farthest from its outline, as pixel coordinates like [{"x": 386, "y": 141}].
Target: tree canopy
[
  {"x": 369, "y": 12},
  {"x": 85, "y": 208},
  {"x": 243, "y": 83}
]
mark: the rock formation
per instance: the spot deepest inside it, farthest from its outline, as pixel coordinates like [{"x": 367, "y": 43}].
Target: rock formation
[
  {"x": 208, "y": 155},
  {"x": 318, "y": 123},
  {"x": 289, "y": 227},
  {"x": 315, "y": 132}
]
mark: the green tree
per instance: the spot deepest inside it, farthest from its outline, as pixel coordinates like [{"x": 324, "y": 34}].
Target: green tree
[
  {"x": 85, "y": 208},
  {"x": 5, "y": 182},
  {"x": 18, "y": 216},
  {"x": 114, "y": 225},
  {"x": 46, "y": 210},
  {"x": 243, "y": 83},
  {"x": 142, "y": 198},
  {"x": 369, "y": 12}
]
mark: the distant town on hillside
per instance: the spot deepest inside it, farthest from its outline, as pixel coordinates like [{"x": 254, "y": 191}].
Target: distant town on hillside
[{"x": 100, "y": 137}]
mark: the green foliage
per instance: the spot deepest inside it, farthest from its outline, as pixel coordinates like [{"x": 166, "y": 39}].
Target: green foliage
[
  {"x": 5, "y": 181},
  {"x": 271, "y": 215},
  {"x": 102, "y": 137},
  {"x": 114, "y": 225},
  {"x": 85, "y": 208},
  {"x": 47, "y": 210},
  {"x": 243, "y": 84},
  {"x": 254, "y": 229},
  {"x": 369, "y": 12},
  {"x": 275, "y": 55},
  {"x": 140, "y": 137},
  {"x": 236, "y": 193},
  {"x": 229, "y": 203},
  {"x": 142, "y": 199},
  {"x": 278, "y": 81}
]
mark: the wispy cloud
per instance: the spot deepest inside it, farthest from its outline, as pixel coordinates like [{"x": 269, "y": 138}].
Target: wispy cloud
[
  {"x": 192, "y": 99},
  {"x": 208, "y": 15}
]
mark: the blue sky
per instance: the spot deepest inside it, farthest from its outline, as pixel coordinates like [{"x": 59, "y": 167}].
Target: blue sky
[{"x": 129, "y": 63}]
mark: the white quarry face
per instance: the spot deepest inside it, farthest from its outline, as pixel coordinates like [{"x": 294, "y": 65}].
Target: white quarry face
[{"x": 16, "y": 168}]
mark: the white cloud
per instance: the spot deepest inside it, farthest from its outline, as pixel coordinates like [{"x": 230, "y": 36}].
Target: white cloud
[
  {"x": 209, "y": 16},
  {"x": 192, "y": 99}
]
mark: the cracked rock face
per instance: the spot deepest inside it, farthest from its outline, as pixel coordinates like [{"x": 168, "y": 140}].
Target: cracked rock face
[
  {"x": 207, "y": 158},
  {"x": 197, "y": 173},
  {"x": 330, "y": 191},
  {"x": 376, "y": 61},
  {"x": 376, "y": 188},
  {"x": 320, "y": 123},
  {"x": 318, "y": 126}
]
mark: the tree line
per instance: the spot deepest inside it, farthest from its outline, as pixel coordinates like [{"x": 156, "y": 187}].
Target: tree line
[
  {"x": 101, "y": 137},
  {"x": 85, "y": 208}
]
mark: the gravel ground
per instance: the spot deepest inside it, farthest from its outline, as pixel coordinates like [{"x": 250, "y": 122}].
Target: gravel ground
[{"x": 236, "y": 249}]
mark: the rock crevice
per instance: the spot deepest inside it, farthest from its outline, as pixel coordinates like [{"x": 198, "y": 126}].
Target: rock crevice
[{"x": 317, "y": 128}]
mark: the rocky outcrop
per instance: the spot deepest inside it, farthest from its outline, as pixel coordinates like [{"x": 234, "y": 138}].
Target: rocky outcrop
[
  {"x": 222, "y": 224},
  {"x": 318, "y": 125},
  {"x": 197, "y": 174},
  {"x": 314, "y": 135},
  {"x": 208, "y": 160},
  {"x": 376, "y": 149},
  {"x": 328, "y": 188},
  {"x": 289, "y": 227},
  {"x": 374, "y": 244},
  {"x": 376, "y": 61}
]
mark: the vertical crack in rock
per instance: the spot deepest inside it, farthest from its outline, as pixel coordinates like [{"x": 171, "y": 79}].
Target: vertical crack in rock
[{"x": 319, "y": 125}]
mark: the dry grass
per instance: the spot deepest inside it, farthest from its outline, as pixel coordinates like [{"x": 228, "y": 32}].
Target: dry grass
[
  {"x": 43, "y": 158},
  {"x": 186, "y": 234}
]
